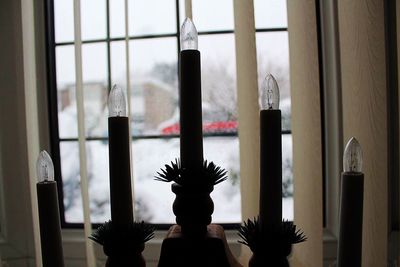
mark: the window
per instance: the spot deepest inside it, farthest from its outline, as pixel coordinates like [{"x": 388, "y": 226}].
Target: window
[{"x": 153, "y": 47}]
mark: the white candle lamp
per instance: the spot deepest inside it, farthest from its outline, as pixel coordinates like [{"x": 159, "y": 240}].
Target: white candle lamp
[
  {"x": 352, "y": 156},
  {"x": 44, "y": 167},
  {"x": 270, "y": 93},
  {"x": 116, "y": 102},
  {"x": 189, "y": 36}
]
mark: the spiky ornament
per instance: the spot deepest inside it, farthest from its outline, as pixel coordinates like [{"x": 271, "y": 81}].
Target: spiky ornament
[
  {"x": 210, "y": 174},
  {"x": 116, "y": 242},
  {"x": 251, "y": 236}
]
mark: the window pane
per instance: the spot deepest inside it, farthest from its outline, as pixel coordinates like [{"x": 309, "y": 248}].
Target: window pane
[
  {"x": 182, "y": 13},
  {"x": 118, "y": 63},
  {"x": 99, "y": 184},
  {"x": 98, "y": 177},
  {"x": 270, "y": 13},
  {"x": 218, "y": 83},
  {"x": 94, "y": 57},
  {"x": 117, "y": 18},
  {"x": 67, "y": 114},
  {"x": 210, "y": 15},
  {"x": 155, "y": 198},
  {"x": 152, "y": 17},
  {"x": 287, "y": 177},
  {"x": 273, "y": 57},
  {"x": 94, "y": 22},
  {"x": 71, "y": 182},
  {"x": 224, "y": 152},
  {"x": 64, "y": 20},
  {"x": 154, "y": 84}
]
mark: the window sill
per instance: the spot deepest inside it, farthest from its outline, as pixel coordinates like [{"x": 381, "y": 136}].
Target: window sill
[{"x": 74, "y": 247}]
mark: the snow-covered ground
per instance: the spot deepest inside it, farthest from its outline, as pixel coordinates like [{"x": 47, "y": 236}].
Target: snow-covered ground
[{"x": 154, "y": 199}]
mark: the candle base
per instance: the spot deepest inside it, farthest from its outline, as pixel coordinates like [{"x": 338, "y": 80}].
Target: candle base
[
  {"x": 135, "y": 259},
  {"x": 123, "y": 245},
  {"x": 270, "y": 247},
  {"x": 265, "y": 260},
  {"x": 193, "y": 209},
  {"x": 210, "y": 250}
]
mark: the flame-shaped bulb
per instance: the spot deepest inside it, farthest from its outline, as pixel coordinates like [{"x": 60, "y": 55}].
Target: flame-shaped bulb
[
  {"x": 116, "y": 102},
  {"x": 270, "y": 93},
  {"x": 352, "y": 156},
  {"x": 188, "y": 35},
  {"x": 44, "y": 167}
]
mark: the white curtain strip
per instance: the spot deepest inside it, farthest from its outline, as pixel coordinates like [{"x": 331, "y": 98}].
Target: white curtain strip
[
  {"x": 31, "y": 113},
  {"x": 188, "y": 9},
  {"x": 90, "y": 257},
  {"x": 128, "y": 92},
  {"x": 248, "y": 110},
  {"x": 306, "y": 131}
]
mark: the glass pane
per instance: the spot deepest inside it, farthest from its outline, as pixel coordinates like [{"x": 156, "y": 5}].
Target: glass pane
[
  {"x": 287, "y": 177},
  {"x": 69, "y": 152},
  {"x": 67, "y": 114},
  {"x": 117, "y": 18},
  {"x": 270, "y": 13},
  {"x": 94, "y": 57},
  {"x": 99, "y": 185},
  {"x": 153, "y": 199},
  {"x": 210, "y": 15},
  {"x": 153, "y": 66},
  {"x": 218, "y": 83},
  {"x": 182, "y": 13},
  {"x": 273, "y": 57},
  {"x": 94, "y": 22},
  {"x": 152, "y": 17},
  {"x": 64, "y": 20},
  {"x": 226, "y": 195},
  {"x": 118, "y": 63}
]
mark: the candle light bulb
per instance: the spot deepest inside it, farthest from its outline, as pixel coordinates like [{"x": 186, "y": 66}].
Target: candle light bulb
[
  {"x": 116, "y": 102},
  {"x": 352, "y": 156},
  {"x": 188, "y": 35},
  {"x": 270, "y": 93},
  {"x": 44, "y": 167}
]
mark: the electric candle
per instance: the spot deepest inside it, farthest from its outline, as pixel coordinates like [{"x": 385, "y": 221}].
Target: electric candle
[
  {"x": 191, "y": 134},
  {"x": 270, "y": 158},
  {"x": 351, "y": 206},
  {"x": 49, "y": 215},
  {"x": 119, "y": 159}
]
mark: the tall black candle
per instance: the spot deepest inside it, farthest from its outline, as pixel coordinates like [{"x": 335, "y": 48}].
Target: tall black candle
[
  {"x": 351, "y": 207},
  {"x": 119, "y": 160},
  {"x": 270, "y": 159},
  {"x": 49, "y": 215},
  {"x": 191, "y": 131}
]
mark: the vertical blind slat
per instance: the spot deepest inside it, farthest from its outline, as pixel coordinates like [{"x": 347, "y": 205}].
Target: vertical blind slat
[
  {"x": 306, "y": 130},
  {"x": 31, "y": 113},
  {"x": 128, "y": 92},
  {"x": 248, "y": 109},
  {"x": 90, "y": 257},
  {"x": 188, "y": 9}
]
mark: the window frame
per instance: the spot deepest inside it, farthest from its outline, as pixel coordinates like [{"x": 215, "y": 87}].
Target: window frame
[
  {"x": 73, "y": 239},
  {"x": 55, "y": 139}
]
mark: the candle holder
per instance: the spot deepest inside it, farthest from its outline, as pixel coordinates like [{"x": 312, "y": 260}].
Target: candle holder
[
  {"x": 194, "y": 241},
  {"x": 193, "y": 205},
  {"x": 123, "y": 247},
  {"x": 271, "y": 250}
]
